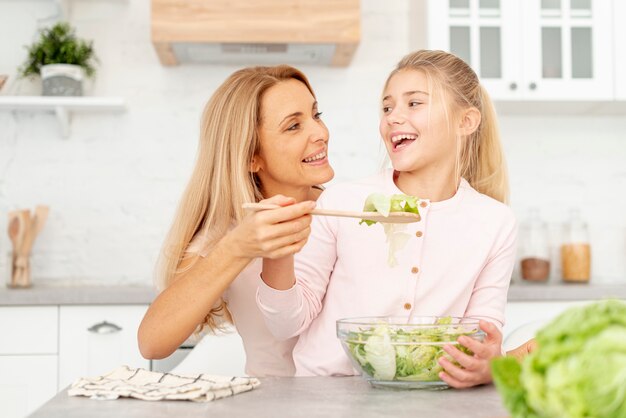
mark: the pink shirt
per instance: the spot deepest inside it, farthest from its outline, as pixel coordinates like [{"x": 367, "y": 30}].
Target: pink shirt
[
  {"x": 457, "y": 262},
  {"x": 265, "y": 354}
]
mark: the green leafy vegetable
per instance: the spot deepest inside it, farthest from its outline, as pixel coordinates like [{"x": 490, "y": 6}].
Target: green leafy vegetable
[
  {"x": 396, "y": 237},
  {"x": 578, "y": 369},
  {"x": 387, "y": 353},
  {"x": 378, "y": 202}
]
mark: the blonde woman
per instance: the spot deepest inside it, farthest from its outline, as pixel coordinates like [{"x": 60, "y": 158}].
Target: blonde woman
[
  {"x": 439, "y": 128},
  {"x": 261, "y": 138}
]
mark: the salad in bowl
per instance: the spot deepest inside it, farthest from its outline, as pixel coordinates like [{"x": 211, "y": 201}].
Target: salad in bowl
[{"x": 401, "y": 352}]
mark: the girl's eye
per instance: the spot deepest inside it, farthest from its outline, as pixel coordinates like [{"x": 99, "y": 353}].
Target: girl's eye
[
  {"x": 318, "y": 115},
  {"x": 413, "y": 104},
  {"x": 294, "y": 127},
  {"x": 386, "y": 109}
]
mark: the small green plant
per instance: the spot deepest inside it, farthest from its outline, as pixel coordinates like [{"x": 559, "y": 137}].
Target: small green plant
[{"x": 59, "y": 45}]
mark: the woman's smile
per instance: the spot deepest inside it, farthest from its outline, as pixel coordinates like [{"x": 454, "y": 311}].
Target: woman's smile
[{"x": 317, "y": 158}]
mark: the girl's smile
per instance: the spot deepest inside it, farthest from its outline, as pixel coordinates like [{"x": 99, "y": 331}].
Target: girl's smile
[{"x": 400, "y": 140}]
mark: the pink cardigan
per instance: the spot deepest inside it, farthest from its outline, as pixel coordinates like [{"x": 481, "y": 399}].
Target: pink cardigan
[{"x": 457, "y": 261}]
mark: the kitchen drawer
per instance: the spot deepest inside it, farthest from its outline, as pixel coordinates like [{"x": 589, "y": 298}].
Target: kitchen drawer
[
  {"x": 29, "y": 329},
  {"x": 96, "y": 339},
  {"x": 26, "y": 383}
]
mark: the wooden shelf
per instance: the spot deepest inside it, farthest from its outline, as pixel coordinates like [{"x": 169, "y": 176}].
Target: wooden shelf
[{"x": 64, "y": 106}]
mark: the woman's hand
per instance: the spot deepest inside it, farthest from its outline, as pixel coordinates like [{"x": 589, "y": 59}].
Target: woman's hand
[
  {"x": 273, "y": 233},
  {"x": 475, "y": 369}
]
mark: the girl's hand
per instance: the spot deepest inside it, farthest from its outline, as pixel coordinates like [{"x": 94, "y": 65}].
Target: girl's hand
[
  {"x": 523, "y": 350},
  {"x": 475, "y": 369},
  {"x": 273, "y": 233}
]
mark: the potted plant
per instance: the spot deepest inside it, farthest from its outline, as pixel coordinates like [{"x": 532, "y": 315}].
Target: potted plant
[{"x": 61, "y": 59}]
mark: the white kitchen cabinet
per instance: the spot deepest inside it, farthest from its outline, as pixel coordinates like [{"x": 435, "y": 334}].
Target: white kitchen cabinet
[
  {"x": 28, "y": 358},
  {"x": 29, "y": 330},
  {"x": 26, "y": 383},
  {"x": 96, "y": 339},
  {"x": 619, "y": 49},
  {"x": 530, "y": 50}
]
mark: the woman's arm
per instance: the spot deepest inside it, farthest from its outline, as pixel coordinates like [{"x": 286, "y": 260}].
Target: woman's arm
[{"x": 182, "y": 306}]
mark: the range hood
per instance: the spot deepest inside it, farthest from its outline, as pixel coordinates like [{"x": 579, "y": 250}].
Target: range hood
[{"x": 248, "y": 32}]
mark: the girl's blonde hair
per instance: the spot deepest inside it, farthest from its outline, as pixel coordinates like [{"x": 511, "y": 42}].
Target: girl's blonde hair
[
  {"x": 480, "y": 159},
  {"x": 221, "y": 180}
]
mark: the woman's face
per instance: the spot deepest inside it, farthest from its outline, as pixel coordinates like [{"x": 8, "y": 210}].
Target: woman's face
[
  {"x": 414, "y": 127},
  {"x": 293, "y": 140}
]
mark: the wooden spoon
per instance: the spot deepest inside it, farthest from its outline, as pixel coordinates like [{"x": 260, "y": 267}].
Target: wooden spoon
[
  {"x": 14, "y": 229},
  {"x": 393, "y": 218}
]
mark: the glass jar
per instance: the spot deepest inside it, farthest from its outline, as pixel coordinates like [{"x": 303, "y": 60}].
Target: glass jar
[
  {"x": 534, "y": 248},
  {"x": 576, "y": 250}
]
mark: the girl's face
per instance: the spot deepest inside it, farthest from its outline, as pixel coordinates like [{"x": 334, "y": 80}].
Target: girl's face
[
  {"x": 414, "y": 126},
  {"x": 293, "y": 140}
]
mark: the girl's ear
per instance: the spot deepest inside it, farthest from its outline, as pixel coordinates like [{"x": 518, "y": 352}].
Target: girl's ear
[{"x": 470, "y": 119}]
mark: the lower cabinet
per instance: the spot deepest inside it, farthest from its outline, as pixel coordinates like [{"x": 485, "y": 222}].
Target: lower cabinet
[
  {"x": 28, "y": 358},
  {"x": 43, "y": 349},
  {"x": 26, "y": 383},
  {"x": 96, "y": 339}
]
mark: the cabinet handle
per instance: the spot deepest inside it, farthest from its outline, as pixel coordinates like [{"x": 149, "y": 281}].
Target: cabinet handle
[
  {"x": 532, "y": 86},
  {"x": 513, "y": 86},
  {"x": 104, "y": 327}
]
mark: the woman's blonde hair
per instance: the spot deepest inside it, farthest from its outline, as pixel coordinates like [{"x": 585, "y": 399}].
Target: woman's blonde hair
[
  {"x": 221, "y": 180},
  {"x": 480, "y": 159}
]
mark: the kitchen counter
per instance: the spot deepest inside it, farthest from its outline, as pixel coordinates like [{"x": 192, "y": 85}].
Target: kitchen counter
[
  {"x": 84, "y": 293},
  {"x": 560, "y": 291},
  {"x": 296, "y": 397},
  {"x": 77, "y": 294}
]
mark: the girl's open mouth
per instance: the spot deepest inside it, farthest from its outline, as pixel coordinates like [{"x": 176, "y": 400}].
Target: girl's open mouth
[{"x": 400, "y": 141}]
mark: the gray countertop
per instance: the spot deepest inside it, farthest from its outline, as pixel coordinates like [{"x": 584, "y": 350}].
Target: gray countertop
[
  {"x": 296, "y": 397},
  {"x": 77, "y": 294},
  {"x": 85, "y": 293}
]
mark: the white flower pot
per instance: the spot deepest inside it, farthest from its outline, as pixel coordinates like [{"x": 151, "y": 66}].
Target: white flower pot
[{"x": 62, "y": 80}]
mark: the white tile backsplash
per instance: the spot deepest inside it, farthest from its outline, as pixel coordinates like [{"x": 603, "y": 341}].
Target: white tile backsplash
[{"x": 114, "y": 185}]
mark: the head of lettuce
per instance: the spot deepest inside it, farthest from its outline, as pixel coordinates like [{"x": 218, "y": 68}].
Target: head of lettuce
[{"x": 578, "y": 369}]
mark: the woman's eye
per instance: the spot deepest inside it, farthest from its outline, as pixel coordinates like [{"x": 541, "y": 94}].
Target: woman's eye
[
  {"x": 294, "y": 127},
  {"x": 318, "y": 115},
  {"x": 413, "y": 104}
]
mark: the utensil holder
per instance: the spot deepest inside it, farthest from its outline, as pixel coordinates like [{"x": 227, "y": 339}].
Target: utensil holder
[{"x": 19, "y": 272}]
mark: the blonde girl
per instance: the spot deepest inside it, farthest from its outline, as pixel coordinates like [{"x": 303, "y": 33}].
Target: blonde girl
[
  {"x": 261, "y": 138},
  {"x": 439, "y": 128}
]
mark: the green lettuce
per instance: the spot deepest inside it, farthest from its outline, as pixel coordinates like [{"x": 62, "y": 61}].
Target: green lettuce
[
  {"x": 378, "y": 202},
  {"x": 396, "y": 237},
  {"x": 578, "y": 369},
  {"x": 386, "y": 353}
]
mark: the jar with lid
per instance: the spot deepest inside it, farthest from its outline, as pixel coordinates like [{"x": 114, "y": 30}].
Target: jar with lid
[
  {"x": 576, "y": 250},
  {"x": 534, "y": 248}
]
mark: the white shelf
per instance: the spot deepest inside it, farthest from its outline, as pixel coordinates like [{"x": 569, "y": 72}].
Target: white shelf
[{"x": 63, "y": 106}]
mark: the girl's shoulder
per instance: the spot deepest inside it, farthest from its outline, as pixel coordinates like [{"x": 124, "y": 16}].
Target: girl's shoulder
[{"x": 483, "y": 206}]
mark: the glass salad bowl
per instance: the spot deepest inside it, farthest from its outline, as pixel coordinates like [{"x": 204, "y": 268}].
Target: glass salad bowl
[{"x": 400, "y": 352}]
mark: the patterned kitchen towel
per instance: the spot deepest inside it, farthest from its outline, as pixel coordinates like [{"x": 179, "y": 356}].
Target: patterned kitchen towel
[{"x": 155, "y": 386}]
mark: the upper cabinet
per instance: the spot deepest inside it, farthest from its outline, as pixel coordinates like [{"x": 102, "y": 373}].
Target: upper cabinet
[
  {"x": 532, "y": 49},
  {"x": 619, "y": 49}
]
